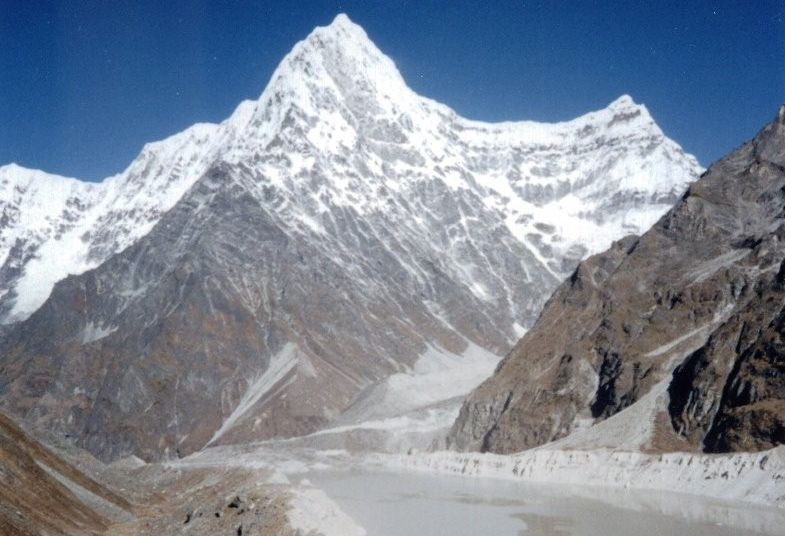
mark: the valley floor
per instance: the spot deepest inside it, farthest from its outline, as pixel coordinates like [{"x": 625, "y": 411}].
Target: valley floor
[
  {"x": 354, "y": 479},
  {"x": 692, "y": 493},
  {"x": 299, "y": 487}
]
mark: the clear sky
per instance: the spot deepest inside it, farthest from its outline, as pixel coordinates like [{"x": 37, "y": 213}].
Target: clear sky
[{"x": 84, "y": 84}]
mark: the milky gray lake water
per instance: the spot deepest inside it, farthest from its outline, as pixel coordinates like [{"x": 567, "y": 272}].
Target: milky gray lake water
[{"x": 420, "y": 504}]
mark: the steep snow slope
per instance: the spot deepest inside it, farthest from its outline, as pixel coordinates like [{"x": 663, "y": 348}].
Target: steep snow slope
[{"x": 326, "y": 236}]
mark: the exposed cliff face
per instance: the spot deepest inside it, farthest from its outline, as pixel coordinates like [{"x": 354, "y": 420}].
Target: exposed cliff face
[
  {"x": 336, "y": 231},
  {"x": 672, "y": 340}
]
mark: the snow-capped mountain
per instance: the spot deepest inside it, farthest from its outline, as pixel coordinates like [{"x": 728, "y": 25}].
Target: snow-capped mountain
[
  {"x": 251, "y": 279},
  {"x": 563, "y": 190}
]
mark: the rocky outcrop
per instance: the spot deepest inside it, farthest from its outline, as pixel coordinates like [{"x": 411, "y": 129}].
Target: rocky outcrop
[
  {"x": 672, "y": 340},
  {"x": 336, "y": 231}
]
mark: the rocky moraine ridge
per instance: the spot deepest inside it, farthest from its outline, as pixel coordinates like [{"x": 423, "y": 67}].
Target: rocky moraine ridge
[
  {"x": 252, "y": 279},
  {"x": 670, "y": 341}
]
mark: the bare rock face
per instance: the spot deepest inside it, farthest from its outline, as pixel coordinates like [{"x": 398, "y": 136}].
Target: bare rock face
[
  {"x": 668, "y": 341},
  {"x": 251, "y": 279}
]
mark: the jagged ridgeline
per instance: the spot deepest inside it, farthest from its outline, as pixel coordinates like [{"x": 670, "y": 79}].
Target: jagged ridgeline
[
  {"x": 250, "y": 279},
  {"x": 670, "y": 341}
]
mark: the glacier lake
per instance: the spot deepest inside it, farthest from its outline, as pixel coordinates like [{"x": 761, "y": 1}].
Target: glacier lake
[{"x": 422, "y": 504}]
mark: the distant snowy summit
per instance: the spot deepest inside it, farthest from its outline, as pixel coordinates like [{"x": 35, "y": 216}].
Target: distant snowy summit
[{"x": 251, "y": 279}]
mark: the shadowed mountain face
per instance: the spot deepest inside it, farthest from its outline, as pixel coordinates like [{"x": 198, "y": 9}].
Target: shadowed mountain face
[
  {"x": 671, "y": 340},
  {"x": 326, "y": 236}
]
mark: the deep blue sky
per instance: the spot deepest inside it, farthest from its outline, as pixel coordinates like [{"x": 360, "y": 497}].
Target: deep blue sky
[{"x": 84, "y": 84}]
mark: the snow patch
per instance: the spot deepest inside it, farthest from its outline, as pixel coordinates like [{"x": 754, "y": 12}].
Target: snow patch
[
  {"x": 280, "y": 365},
  {"x": 667, "y": 347},
  {"x": 438, "y": 376},
  {"x": 92, "y": 333},
  {"x": 629, "y": 429}
]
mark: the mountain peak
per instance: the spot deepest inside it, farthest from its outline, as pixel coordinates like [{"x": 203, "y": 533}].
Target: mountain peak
[
  {"x": 17, "y": 173},
  {"x": 624, "y": 101},
  {"x": 342, "y": 31},
  {"x": 769, "y": 140},
  {"x": 334, "y": 64},
  {"x": 624, "y": 112},
  {"x": 343, "y": 24},
  {"x": 339, "y": 56},
  {"x": 625, "y": 104}
]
